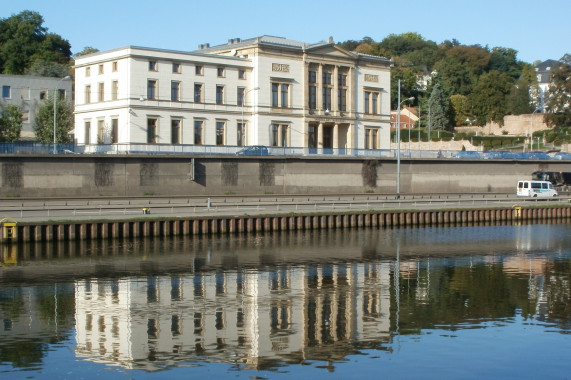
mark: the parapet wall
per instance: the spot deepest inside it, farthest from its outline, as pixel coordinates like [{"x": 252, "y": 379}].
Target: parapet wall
[{"x": 96, "y": 176}]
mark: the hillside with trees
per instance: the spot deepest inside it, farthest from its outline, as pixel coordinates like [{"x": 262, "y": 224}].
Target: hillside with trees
[{"x": 467, "y": 85}]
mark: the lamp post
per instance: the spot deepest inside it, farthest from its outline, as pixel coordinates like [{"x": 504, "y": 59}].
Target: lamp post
[
  {"x": 244, "y": 102},
  {"x": 398, "y": 138},
  {"x": 67, "y": 77},
  {"x": 531, "y": 131}
]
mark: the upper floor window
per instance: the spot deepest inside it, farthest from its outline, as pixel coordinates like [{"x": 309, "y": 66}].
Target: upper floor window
[
  {"x": 176, "y": 131},
  {"x": 151, "y": 89},
  {"x": 280, "y": 95},
  {"x": 240, "y": 96},
  {"x": 101, "y": 69},
  {"x": 220, "y": 72},
  {"x": 152, "y": 130},
  {"x": 101, "y": 94},
  {"x": 114, "y": 66},
  {"x": 342, "y": 79},
  {"x": 175, "y": 91},
  {"x": 220, "y": 132},
  {"x": 198, "y": 93},
  {"x": 372, "y": 102},
  {"x": 312, "y": 77},
  {"x": 87, "y": 94},
  {"x": 198, "y": 70},
  {"x": 153, "y": 66},
  {"x": 88, "y": 71},
  {"x": 114, "y": 89},
  {"x": 326, "y": 77},
  {"x": 176, "y": 67},
  {"x": 241, "y": 74},
  {"x": 219, "y": 94}
]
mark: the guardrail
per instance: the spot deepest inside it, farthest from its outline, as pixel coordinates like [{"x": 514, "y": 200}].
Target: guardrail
[{"x": 168, "y": 149}]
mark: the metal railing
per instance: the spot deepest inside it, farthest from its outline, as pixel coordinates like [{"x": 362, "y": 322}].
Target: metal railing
[{"x": 169, "y": 149}]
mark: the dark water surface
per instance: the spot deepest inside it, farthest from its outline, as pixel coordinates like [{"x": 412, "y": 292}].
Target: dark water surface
[{"x": 455, "y": 302}]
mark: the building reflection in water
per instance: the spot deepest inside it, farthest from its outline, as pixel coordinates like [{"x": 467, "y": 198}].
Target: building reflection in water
[
  {"x": 246, "y": 316},
  {"x": 262, "y": 301}
]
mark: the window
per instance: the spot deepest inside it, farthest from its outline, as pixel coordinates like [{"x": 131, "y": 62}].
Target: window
[
  {"x": 240, "y": 96},
  {"x": 326, "y": 98},
  {"x": 274, "y": 94},
  {"x": 100, "y": 131},
  {"x": 280, "y": 95},
  {"x": 100, "y": 69},
  {"x": 114, "y": 66},
  {"x": 241, "y": 74},
  {"x": 285, "y": 94},
  {"x": 153, "y": 66},
  {"x": 241, "y": 134},
  {"x": 371, "y": 138},
  {"x": 312, "y": 97},
  {"x": 219, "y": 94},
  {"x": 342, "y": 99},
  {"x": 151, "y": 89},
  {"x": 198, "y": 70},
  {"x": 114, "y": 89},
  {"x": 6, "y": 91},
  {"x": 114, "y": 131},
  {"x": 198, "y": 127},
  {"x": 175, "y": 91},
  {"x": 197, "y": 93},
  {"x": 311, "y": 136},
  {"x": 175, "y": 131},
  {"x": 220, "y": 72},
  {"x": 88, "y": 71},
  {"x": 279, "y": 135},
  {"x": 342, "y": 80},
  {"x": 87, "y": 94},
  {"x": 101, "y": 92},
  {"x": 220, "y": 133},
  {"x": 326, "y": 77},
  {"x": 152, "y": 127},
  {"x": 87, "y": 132},
  {"x": 176, "y": 67},
  {"x": 312, "y": 77},
  {"x": 44, "y": 93},
  {"x": 372, "y": 102}
]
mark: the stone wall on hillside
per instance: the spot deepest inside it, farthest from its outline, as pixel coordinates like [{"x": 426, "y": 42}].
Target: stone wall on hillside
[{"x": 514, "y": 125}]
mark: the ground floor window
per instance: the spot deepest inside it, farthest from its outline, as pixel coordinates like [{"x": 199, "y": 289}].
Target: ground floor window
[
  {"x": 152, "y": 130},
  {"x": 371, "y": 138},
  {"x": 241, "y": 134},
  {"x": 279, "y": 135},
  {"x": 220, "y": 132},
  {"x": 198, "y": 130},
  {"x": 311, "y": 136},
  {"x": 175, "y": 131},
  {"x": 114, "y": 131}
]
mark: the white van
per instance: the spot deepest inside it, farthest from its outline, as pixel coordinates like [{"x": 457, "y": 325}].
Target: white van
[{"x": 536, "y": 189}]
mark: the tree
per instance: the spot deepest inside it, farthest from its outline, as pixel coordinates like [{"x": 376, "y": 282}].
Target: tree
[
  {"x": 504, "y": 60},
  {"x": 45, "y": 120},
  {"x": 48, "y": 69},
  {"x": 461, "y": 109},
  {"x": 558, "y": 105},
  {"x": 10, "y": 123},
  {"x": 523, "y": 98},
  {"x": 90, "y": 50},
  {"x": 24, "y": 39},
  {"x": 489, "y": 97},
  {"x": 438, "y": 109}
]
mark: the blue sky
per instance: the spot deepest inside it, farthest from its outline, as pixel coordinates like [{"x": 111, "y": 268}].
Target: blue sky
[{"x": 537, "y": 30}]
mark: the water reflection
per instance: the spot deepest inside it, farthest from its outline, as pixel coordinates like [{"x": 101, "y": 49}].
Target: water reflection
[{"x": 265, "y": 301}]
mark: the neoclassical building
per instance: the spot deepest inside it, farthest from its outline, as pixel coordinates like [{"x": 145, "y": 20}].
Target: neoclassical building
[{"x": 262, "y": 91}]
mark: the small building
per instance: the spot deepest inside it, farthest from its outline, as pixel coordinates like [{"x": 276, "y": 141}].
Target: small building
[
  {"x": 267, "y": 91},
  {"x": 27, "y": 92},
  {"x": 543, "y": 74},
  {"x": 408, "y": 118}
]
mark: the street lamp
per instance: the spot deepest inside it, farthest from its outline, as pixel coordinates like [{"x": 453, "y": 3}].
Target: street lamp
[
  {"x": 243, "y": 102},
  {"x": 531, "y": 131},
  {"x": 67, "y": 77},
  {"x": 398, "y": 139}
]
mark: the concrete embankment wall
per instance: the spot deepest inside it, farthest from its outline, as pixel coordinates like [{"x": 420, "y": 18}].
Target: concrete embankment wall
[
  {"x": 95, "y": 176},
  {"x": 91, "y": 230}
]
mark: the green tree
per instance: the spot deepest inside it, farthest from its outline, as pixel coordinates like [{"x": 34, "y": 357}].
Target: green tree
[
  {"x": 558, "y": 105},
  {"x": 44, "y": 126},
  {"x": 24, "y": 39},
  {"x": 504, "y": 60},
  {"x": 90, "y": 50},
  {"x": 48, "y": 69},
  {"x": 523, "y": 98},
  {"x": 454, "y": 77},
  {"x": 489, "y": 98},
  {"x": 438, "y": 109},
  {"x": 10, "y": 123},
  {"x": 461, "y": 109}
]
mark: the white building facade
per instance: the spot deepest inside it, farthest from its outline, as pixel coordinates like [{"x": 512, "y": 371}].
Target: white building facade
[{"x": 264, "y": 91}]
